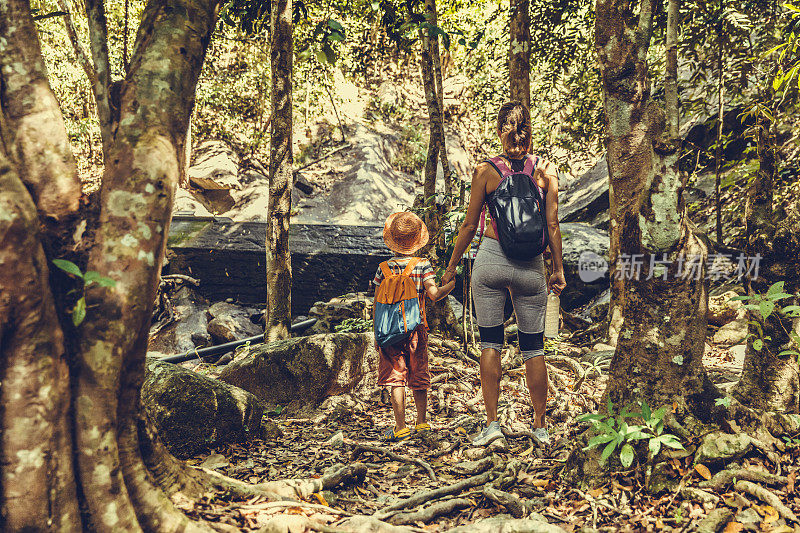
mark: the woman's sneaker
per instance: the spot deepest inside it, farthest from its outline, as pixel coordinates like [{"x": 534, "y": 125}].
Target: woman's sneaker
[
  {"x": 542, "y": 436},
  {"x": 490, "y": 433}
]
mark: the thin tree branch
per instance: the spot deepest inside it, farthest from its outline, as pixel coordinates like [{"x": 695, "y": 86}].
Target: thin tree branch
[
  {"x": 101, "y": 85},
  {"x": 80, "y": 52}
]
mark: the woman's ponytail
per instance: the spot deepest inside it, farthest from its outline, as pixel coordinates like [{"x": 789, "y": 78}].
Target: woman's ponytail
[{"x": 514, "y": 125}]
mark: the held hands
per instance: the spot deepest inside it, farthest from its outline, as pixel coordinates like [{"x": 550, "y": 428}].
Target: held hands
[
  {"x": 557, "y": 283},
  {"x": 448, "y": 276}
]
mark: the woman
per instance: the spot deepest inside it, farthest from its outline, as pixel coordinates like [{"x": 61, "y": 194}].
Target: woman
[{"x": 493, "y": 274}]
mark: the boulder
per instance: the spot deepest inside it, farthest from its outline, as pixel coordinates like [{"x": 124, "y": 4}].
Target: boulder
[
  {"x": 335, "y": 311},
  {"x": 301, "y": 372},
  {"x": 189, "y": 202},
  {"x": 721, "y": 310},
  {"x": 585, "y": 253},
  {"x": 586, "y": 198},
  {"x": 229, "y": 322},
  {"x": 189, "y": 330},
  {"x": 215, "y": 166},
  {"x": 193, "y": 413},
  {"x": 597, "y": 309}
]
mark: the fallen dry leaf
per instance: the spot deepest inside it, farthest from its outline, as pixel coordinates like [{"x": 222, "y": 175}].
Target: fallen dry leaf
[
  {"x": 703, "y": 470},
  {"x": 733, "y": 527}
]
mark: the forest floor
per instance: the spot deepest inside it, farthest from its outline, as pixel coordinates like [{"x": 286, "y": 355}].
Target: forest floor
[{"x": 529, "y": 477}]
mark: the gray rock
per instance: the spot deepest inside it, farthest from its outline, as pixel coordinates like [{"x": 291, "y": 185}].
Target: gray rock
[
  {"x": 335, "y": 311},
  {"x": 229, "y": 322},
  {"x": 597, "y": 309},
  {"x": 732, "y": 333},
  {"x": 190, "y": 202},
  {"x": 193, "y": 413},
  {"x": 581, "y": 239},
  {"x": 215, "y": 166},
  {"x": 189, "y": 330},
  {"x": 722, "y": 310},
  {"x": 587, "y": 196},
  {"x": 723, "y": 447},
  {"x": 303, "y": 371}
]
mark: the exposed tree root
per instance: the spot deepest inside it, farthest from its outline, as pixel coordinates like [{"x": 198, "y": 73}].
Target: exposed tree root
[
  {"x": 726, "y": 477},
  {"x": 359, "y": 448},
  {"x": 431, "y": 512},
  {"x": 448, "y": 490},
  {"x": 575, "y": 366},
  {"x": 768, "y": 497},
  {"x": 514, "y": 505}
]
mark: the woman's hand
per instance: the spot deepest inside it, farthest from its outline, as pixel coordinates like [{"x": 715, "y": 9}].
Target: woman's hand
[
  {"x": 557, "y": 282},
  {"x": 448, "y": 276}
]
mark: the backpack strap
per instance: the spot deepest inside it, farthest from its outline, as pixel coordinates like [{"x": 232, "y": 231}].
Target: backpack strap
[
  {"x": 385, "y": 269},
  {"x": 500, "y": 166},
  {"x": 410, "y": 266},
  {"x": 530, "y": 165}
]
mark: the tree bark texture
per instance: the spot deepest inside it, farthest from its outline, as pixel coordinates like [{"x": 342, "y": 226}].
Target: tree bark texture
[
  {"x": 519, "y": 52},
  {"x": 279, "y": 267},
  {"x": 659, "y": 351},
  {"x": 83, "y": 435}
]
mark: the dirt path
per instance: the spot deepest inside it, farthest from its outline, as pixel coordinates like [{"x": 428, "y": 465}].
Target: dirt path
[{"x": 516, "y": 466}]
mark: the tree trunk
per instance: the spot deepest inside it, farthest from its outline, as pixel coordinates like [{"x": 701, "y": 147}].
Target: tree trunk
[
  {"x": 279, "y": 266},
  {"x": 770, "y": 381},
  {"x": 432, "y": 102},
  {"x": 82, "y": 427},
  {"x": 31, "y": 125},
  {"x": 659, "y": 351},
  {"x": 438, "y": 117},
  {"x": 519, "y": 52}
]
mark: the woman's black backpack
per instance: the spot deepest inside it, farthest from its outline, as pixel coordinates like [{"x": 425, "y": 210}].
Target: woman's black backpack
[{"x": 517, "y": 210}]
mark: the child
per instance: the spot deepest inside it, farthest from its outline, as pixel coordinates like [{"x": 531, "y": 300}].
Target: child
[{"x": 406, "y": 363}]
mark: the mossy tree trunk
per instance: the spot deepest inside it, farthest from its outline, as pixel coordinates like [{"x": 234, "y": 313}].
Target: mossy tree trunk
[
  {"x": 660, "y": 347},
  {"x": 75, "y": 434},
  {"x": 279, "y": 264}
]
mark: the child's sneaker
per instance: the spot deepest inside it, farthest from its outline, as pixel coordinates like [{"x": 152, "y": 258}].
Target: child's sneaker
[
  {"x": 490, "y": 433},
  {"x": 397, "y": 436},
  {"x": 542, "y": 436},
  {"x": 421, "y": 429}
]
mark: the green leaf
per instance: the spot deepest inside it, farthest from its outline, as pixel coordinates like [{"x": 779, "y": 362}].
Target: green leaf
[
  {"x": 596, "y": 441},
  {"x": 626, "y": 455},
  {"x": 321, "y": 57},
  {"x": 672, "y": 441},
  {"x": 788, "y": 352},
  {"x": 724, "y": 402},
  {"x": 336, "y": 36},
  {"x": 775, "y": 288},
  {"x": 654, "y": 446},
  {"x": 607, "y": 451},
  {"x": 79, "y": 312},
  {"x": 590, "y": 417},
  {"x": 330, "y": 55},
  {"x": 766, "y": 307},
  {"x": 646, "y": 411},
  {"x": 335, "y": 25},
  {"x": 758, "y": 344},
  {"x": 68, "y": 266}
]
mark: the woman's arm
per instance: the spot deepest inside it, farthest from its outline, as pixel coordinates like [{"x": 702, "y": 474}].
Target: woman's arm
[
  {"x": 557, "y": 281},
  {"x": 467, "y": 231}
]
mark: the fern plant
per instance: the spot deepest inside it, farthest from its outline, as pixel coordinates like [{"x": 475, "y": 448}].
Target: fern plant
[{"x": 767, "y": 305}]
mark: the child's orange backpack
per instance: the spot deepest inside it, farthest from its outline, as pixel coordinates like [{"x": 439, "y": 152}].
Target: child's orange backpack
[{"x": 397, "y": 305}]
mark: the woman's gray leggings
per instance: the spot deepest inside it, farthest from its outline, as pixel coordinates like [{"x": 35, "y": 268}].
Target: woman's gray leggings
[{"x": 492, "y": 275}]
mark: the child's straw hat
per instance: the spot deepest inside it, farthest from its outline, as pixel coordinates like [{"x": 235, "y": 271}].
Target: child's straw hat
[{"x": 405, "y": 233}]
